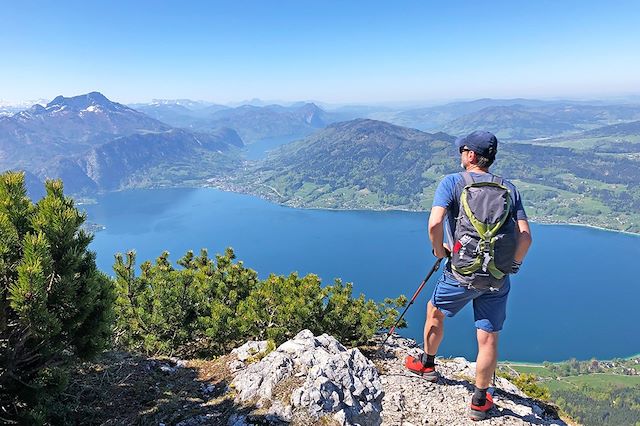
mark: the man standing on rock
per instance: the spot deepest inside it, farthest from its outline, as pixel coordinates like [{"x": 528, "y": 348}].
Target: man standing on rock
[{"x": 491, "y": 237}]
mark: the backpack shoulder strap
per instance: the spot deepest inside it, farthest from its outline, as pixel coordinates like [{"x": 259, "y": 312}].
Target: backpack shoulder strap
[
  {"x": 468, "y": 179},
  {"x": 497, "y": 179}
]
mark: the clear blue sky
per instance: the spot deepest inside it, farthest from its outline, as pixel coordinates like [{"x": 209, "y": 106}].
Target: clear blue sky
[{"x": 333, "y": 51}]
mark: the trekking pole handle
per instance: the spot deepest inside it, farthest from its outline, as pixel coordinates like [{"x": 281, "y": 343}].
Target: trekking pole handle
[{"x": 446, "y": 251}]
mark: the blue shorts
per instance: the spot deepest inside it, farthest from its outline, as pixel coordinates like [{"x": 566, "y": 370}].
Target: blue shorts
[{"x": 489, "y": 307}]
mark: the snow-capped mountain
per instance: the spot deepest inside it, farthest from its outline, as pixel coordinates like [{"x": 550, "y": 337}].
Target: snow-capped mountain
[
  {"x": 66, "y": 126},
  {"x": 79, "y": 119},
  {"x": 8, "y": 108},
  {"x": 95, "y": 144}
]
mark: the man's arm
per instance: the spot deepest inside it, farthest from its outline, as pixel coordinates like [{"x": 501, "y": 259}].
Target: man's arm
[
  {"x": 523, "y": 239},
  {"x": 436, "y": 231}
]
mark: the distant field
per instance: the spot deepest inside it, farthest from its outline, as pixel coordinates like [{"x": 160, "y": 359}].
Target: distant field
[
  {"x": 593, "y": 380},
  {"x": 539, "y": 371},
  {"x": 607, "y": 398},
  {"x": 585, "y": 143}
]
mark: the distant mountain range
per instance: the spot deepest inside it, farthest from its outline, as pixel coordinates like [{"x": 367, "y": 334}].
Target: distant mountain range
[
  {"x": 575, "y": 162},
  {"x": 10, "y": 108},
  {"x": 253, "y": 123},
  {"x": 512, "y": 119},
  {"x": 436, "y": 117},
  {"x": 511, "y": 122},
  {"x": 67, "y": 126},
  {"x": 180, "y": 112},
  {"x": 94, "y": 144}
]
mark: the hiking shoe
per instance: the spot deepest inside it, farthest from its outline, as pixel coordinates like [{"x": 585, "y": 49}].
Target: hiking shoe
[
  {"x": 481, "y": 412},
  {"x": 415, "y": 365}
]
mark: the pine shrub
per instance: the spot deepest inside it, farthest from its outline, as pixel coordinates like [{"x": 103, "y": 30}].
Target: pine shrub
[
  {"x": 207, "y": 307},
  {"x": 55, "y": 306},
  {"x": 188, "y": 311}
]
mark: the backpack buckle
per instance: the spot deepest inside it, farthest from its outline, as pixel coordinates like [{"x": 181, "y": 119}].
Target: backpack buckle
[{"x": 486, "y": 260}]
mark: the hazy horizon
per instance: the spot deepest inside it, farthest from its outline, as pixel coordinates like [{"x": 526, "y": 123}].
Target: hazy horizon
[
  {"x": 335, "y": 52},
  {"x": 613, "y": 99}
]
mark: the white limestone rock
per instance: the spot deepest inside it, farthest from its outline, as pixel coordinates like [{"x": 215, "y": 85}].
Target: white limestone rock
[{"x": 327, "y": 379}]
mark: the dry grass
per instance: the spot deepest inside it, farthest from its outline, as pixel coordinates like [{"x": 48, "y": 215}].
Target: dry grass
[
  {"x": 211, "y": 371},
  {"x": 120, "y": 388},
  {"x": 284, "y": 389},
  {"x": 123, "y": 389}
]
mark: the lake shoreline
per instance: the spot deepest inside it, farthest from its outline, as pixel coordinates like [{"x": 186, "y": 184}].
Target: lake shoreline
[
  {"x": 541, "y": 364},
  {"x": 394, "y": 209},
  {"x": 342, "y": 209},
  {"x": 600, "y": 228},
  {"x": 336, "y": 209}
]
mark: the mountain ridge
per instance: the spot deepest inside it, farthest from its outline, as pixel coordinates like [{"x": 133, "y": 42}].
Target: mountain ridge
[
  {"x": 95, "y": 144},
  {"x": 124, "y": 161},
  {"x": 370, "y": 164}
]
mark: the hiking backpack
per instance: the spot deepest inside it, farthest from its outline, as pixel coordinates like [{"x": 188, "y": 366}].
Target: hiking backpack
[{"x": 485, "y": 236}]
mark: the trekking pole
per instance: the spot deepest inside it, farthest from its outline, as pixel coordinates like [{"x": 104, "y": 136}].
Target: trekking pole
[{"x": 435, "y": 267}]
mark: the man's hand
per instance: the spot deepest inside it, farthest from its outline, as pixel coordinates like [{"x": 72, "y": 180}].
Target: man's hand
[
  {"x": 441, "y": 252},
  {"x": 515, "y": 267}
]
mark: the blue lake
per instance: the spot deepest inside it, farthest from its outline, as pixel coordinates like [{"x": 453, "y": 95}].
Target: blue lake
[
  {"x": 260, "y": 149},
  {"x": 576, "y": 296}
]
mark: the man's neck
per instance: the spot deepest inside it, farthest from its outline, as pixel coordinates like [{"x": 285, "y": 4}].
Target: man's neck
[{"x": 472, "y": 168}]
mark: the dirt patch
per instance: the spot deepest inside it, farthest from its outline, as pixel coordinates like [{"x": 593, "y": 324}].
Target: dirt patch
[
  {"x": 121, "y": 388},
  {"x": 215, "y": 373},
  {"x": 283, "y": 390}
]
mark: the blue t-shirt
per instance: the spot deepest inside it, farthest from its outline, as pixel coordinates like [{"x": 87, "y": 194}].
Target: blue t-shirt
[{"x": 450, "y": 189}]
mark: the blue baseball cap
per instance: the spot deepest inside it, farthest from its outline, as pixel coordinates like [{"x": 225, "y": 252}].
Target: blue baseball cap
[{"x": 480, "y": 142}]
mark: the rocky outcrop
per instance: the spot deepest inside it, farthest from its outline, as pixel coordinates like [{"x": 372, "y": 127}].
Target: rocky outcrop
[
  {"x": 314, "y": 378},
  {"x": 310, "y": 380}
]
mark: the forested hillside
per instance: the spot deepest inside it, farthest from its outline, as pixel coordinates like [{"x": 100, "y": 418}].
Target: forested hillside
[{"x": 368, "y": 164}]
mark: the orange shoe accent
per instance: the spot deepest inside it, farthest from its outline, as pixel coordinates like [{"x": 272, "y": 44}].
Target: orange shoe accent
[
  {"x": 415, "y": 365},
  {"x": 480, "y": 412}
]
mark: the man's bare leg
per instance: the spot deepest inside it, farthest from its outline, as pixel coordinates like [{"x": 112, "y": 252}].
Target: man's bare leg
[
  {"x": 487, "y": 357},
  {"x": 433, "y": 329}
]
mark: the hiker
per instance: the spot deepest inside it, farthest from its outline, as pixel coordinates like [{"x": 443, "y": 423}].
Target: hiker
[{"x": 490, "y": 238}]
